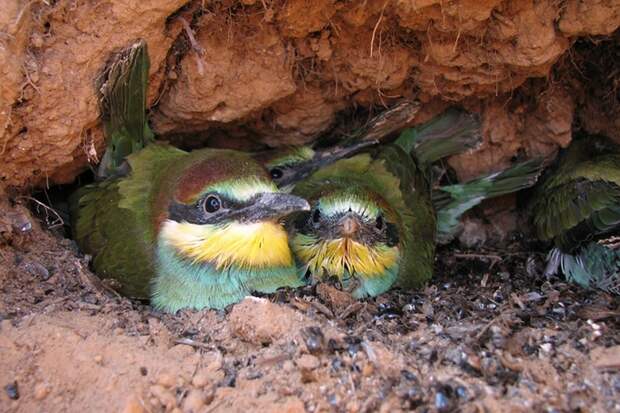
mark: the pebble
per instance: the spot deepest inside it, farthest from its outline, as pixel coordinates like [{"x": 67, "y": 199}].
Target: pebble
[
  {"x": 165, "y": 397},
  {"x": 308, "y": 362},
  {"x": 181, "y": 350},
  {"x": 201, "y": 378},
  {"x": 12, "y": 390},
  {"x": 166, "y": 380},
  {"x": 133, "y": 405},
  {"x": 194, "y": 401},
  {"x": 41, "y": 390},
  {"x": 98, "y": 359},
  {"x": 38, "y": 270},
  {"x": 368, "y": 369}
]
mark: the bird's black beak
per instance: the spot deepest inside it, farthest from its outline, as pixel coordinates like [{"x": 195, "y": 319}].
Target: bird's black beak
[
  {"x": 272, "y": 206},
  {"x": 324, "y": 157}
]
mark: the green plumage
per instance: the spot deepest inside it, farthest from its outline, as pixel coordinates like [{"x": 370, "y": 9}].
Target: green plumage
[
  {"x": 452, "y": 201},
  {"x": 395, "y": 177},
  {"x": 577, "y": 207},
  {"x": 197, "y": 197},
  {"x": 122, "y": 101},
  {"x": 451, "y": 133},
  {"x": 113, "y": 220}
]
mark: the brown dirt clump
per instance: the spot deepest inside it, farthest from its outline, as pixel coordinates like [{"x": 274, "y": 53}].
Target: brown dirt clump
[
  {"x": 283, "y": 72},
  {"x": 515, "y": 342}
]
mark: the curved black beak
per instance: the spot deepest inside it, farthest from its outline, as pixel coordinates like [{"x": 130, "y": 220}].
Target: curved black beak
[{"x": 271, "y": 206}]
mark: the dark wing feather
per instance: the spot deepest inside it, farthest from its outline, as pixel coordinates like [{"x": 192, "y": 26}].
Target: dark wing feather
[{"x": 577, "y": 211}]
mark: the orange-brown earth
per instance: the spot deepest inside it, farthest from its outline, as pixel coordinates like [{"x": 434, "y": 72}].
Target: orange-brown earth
[
  {"x": 489, "y": 333},
  {"x": 283, "y": 72},
  {"x": 269, "y": 73}
]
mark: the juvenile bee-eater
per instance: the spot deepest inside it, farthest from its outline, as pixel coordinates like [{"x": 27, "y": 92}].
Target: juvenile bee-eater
[
  {"x": 187, "y": 230},
  {"x": 577, "y": 207},
  {"x": 373, "y": 223}
]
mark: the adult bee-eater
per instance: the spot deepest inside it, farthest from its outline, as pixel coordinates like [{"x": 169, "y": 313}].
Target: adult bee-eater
[
  {"x": 373, "y": 223},
  {"x": 577, "y": 207},
  {"x": 187, "y": 230}
]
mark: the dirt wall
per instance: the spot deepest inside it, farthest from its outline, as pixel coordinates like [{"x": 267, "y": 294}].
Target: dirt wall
[{"x": 281, "y": 72}]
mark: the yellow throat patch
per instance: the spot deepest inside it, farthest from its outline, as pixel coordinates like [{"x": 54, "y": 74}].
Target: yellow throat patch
[
  {"x": 335, "y": 257},
  {"x": 256, "y": 245}
]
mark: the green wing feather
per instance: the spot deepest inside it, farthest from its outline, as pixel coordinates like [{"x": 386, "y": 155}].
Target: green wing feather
[
  {"x": 113, "y": 222},
  {"x": 123, "y": 107},
  {"x": 452, "y": 201},
  {"x": 418, "y": 221},
  {"x": 579, "y": 201},
  {"x": 577, "y": 206},
  {"x": 450, "y": 133}
]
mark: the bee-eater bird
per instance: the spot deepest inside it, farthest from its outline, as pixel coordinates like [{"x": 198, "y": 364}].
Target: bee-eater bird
[
  {"x": 187, "y": 230},
  {"x": 373, "y": 222},
  {"x": 577, "y": 207}
]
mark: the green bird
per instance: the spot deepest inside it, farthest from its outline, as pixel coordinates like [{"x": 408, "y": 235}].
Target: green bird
[
  {"x": 374, "y": 221},
  {"x": 577, "y": 208},
  {"x": 187, "y": 230}
]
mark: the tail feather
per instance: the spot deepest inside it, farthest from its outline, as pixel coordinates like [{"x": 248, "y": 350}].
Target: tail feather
[
  {"x": 594, "y": 266},
  {"x": 123, "y": 107},
  {"x": 452, "y": 201},
  {"x": 450, "y": 133}
]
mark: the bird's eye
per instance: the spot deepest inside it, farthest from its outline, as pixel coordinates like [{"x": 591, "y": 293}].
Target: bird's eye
[
  {"x": 316, "y": 215},
  {"x": 212, "y": 204},
  {"x": 276, "y": 173},
  {"x": 379, "y": 222}
]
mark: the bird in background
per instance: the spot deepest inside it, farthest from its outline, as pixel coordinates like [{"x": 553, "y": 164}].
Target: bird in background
[
  {"x": 187, "y": 230},
  {"x": 375, "y": 218},
  {"x": 576, "y": 207}
]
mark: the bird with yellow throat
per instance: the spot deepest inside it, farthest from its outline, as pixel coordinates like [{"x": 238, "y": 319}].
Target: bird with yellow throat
[
  {"x": 375, "y": 217},
  {"x": 187, "y": 230}
]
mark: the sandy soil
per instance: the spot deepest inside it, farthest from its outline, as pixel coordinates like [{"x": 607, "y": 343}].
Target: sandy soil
[{"x": 487, "y": 334}]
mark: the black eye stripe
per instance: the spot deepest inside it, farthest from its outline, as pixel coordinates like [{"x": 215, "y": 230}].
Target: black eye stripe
[
  {"x": 316, "y": 215},
  {"x": 379, "y": 222}
]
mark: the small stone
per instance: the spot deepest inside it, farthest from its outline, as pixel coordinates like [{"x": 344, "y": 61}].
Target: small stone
[
  {"x": 36, "y": 40},
  {"x": 143, "y": 371},
  {"x": 201, "y": 378},
  {"x": 41, "y": 390},
  {"x": 133, "y": 405},
  {"x": 288, "y": 366},
  {"x": 368, "y": 369},
  {"x": 308, "y": 362},
  {"x": 12, "y": 390},
  {"x": 166, "y": 380},
  {"x": 38, "y": 270},
  {"x": 194, "y": 401},
  {"x": 165, "y": 397},
  {"x": 181, "y": 351},
  {"x": 98, "y": 359},
  {"x": 353, "y": 406}
]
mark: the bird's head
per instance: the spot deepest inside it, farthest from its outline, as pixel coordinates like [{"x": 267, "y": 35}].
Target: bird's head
[
  {"x": 225, "y": 211},
  {"x": 347, "y": 232},
  {"x": 290, "y": 165}
]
